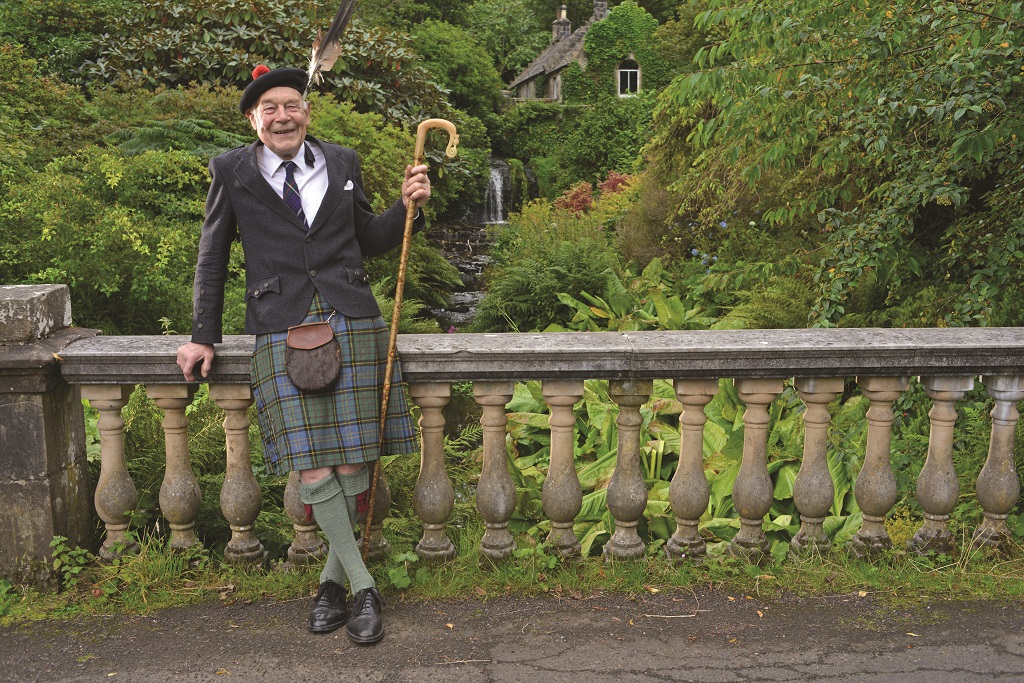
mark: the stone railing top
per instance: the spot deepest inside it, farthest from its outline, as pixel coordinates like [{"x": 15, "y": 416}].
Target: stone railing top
[{"x": 605, "y": 355}]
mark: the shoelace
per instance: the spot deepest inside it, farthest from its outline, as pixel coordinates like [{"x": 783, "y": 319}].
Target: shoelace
[{"x": 365, "y": 597}]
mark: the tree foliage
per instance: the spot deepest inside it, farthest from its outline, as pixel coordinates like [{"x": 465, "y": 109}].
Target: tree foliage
[
  {"x": 461, "y": 66},
  {"x": 407, "y": 14},
  {"x": 507, "y": 30},
  {"x": 889, "y": 132},
  {"x": 58, "y": 33},
  {"x": 175, "y": 42}
]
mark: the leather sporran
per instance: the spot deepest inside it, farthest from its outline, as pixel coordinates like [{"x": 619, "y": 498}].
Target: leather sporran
[{"x": 312, "y": 357}]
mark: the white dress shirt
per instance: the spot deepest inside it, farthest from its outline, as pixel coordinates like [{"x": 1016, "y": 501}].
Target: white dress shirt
[{"x": 311, "y": 180}]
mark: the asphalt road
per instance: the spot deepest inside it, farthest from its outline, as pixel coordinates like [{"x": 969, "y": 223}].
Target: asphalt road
[{"x": 711, "y": 636}]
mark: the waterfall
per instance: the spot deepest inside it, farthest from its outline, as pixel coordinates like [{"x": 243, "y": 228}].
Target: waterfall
[
  {"x": 495, "y": 210},
  {"x": 494, "y": 205}
]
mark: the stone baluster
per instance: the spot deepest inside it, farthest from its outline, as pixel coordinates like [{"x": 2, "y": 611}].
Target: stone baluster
[
  {"x": 307, "y": 547},
  {"x": 875, "y": 488},
  {"x": 752, "y": 490},
  {"x": 496, "y": 492},
  {"x": 562, "y": 495},
  {"x": 627, "y": 491},
  {"x": 433, "y": 496},
  {"x": 180, "y": 498},
  {"x": 379, "y": 546},
  {"x": 116, "y": 496},
  {"x": 689, "y": 493},
  {"x": 937, "y": 485},
  {"x": 813, "y": 492},
  {"x": 240, "y": 496},
  {"x": 998, "y": 486}
]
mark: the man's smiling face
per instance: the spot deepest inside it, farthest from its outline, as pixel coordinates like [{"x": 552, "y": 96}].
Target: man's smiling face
[{"x": 280, "y": 118}]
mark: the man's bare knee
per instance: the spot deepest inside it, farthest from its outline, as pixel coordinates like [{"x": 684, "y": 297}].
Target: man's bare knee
[
  {"x": 314, "y": 475},
  {"x": 349, "y": 469}
]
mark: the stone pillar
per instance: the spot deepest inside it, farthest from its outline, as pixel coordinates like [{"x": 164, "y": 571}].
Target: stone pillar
[
  {"x": 689, "y": 493},
  {"x": 433, "y": 496},
  {"x": 116, "y": 496},
  {"x": 306, "y": 547},
  {"x": 875, "y": 488},
  {"x": 813, "y": 492},
  {"x": 627, "y": 491},
  {"x": 44, "y": 476},
  {"x": 562, "y": 495},
  {"x": 180, "y": 498},
  {"x": 752, "y": 490},
  {"x": 496, "y": 492},
  {"x": 998, "y": 486},
  {"x": 240, "y": 497},
  {"x": 937, "y": 485}
]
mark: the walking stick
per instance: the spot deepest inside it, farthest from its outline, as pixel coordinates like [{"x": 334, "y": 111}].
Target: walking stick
[{"x": 403, "y": 264}]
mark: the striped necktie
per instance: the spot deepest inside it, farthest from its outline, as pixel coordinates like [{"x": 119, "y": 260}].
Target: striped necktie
[{"x": 291, "y": 192}]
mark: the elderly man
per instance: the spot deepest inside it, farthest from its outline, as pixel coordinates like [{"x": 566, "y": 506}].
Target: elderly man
[{"x": 298, "y": 207}]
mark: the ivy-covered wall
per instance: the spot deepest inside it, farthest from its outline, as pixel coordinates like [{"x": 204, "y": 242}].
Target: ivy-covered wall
[{"x": 627, "y": 31}]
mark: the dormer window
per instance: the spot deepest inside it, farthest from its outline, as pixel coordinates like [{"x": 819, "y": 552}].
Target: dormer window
[{"x": 629, "y": 78}]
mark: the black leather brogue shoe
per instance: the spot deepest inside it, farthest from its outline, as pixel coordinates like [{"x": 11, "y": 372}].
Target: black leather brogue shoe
[
  {"x": 365, "y": 626},
  {"x": 329, "y": 609}
]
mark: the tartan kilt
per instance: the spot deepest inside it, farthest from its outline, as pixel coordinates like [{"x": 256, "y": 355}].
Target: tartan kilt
[{"x": 340, "y": 426}]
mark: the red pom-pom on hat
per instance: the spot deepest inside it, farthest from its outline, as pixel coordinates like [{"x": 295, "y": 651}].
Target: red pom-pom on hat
[{"x": 260, "y": 70}]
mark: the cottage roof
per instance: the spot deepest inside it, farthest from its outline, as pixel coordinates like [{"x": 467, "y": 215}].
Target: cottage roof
[{"x": 556, "y": 56}]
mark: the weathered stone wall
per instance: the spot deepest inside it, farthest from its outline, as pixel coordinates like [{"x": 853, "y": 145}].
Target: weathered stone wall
[{"x": 44, "y": 476}]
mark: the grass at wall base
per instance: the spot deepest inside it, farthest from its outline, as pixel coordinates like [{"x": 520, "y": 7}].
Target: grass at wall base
[{"x": 155, "y": 578}]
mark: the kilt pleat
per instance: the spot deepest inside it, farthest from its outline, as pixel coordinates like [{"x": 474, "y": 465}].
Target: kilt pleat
[{"x": 340, "y": 426}]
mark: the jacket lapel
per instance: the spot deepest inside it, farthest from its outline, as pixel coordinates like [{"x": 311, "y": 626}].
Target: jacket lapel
[
  {"x": 248, "y": 173},
  {"x": 337, "y": 176}
]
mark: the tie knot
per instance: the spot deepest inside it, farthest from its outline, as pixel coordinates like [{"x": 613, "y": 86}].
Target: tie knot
[{"x": 289, "y": 167}]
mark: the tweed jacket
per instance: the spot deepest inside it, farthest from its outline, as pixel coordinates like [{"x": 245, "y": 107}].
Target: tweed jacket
[{"x": 285, "y": 264}]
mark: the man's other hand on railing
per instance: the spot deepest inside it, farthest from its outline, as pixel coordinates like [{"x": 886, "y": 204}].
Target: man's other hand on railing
[{"x": 192, "y": 354}]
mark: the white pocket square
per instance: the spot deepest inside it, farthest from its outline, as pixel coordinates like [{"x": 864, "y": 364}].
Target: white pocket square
[{"x": 348, "y": 186}]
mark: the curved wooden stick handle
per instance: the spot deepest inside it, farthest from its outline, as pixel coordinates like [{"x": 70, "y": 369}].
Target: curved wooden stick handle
[
  {"x": 421, "y": 137},
  {"x": 403, "y": 264}
]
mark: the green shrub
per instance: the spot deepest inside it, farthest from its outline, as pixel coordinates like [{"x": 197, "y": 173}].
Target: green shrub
[
  {"x": 40, "y": 117},
  {"x": 539, "y": 254},
  {"x": 121, "y": 232}
]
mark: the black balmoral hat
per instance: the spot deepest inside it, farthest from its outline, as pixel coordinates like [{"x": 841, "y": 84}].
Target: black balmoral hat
[{"x": 263, "y": 79}]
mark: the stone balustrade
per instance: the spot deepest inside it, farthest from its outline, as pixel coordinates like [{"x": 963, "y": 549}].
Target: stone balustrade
[{"x": 819, "y": 362}]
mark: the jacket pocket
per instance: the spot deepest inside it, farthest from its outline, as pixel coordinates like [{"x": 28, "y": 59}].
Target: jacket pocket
[
  {"x": 357, "y": 275},
  {"x": 260, "y": 287}
]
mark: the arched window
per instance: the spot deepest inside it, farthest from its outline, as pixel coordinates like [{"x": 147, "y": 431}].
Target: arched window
[
  {"x": 553, "y": 88},
  {"x": 629, "y": 78}
]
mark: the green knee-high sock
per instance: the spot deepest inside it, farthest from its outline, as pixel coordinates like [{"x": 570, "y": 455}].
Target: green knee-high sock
[
  {"x": 331, "y": 511},
  {"x": 333, "y": 569}
]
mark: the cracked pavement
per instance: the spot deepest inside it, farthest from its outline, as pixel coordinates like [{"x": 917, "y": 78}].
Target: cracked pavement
[{"x": 668, "y": 636}]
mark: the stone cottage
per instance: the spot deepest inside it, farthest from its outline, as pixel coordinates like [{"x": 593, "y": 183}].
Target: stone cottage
[{"x": 542, "y": 79}]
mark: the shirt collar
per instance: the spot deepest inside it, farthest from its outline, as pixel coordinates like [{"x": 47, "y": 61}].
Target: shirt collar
[{"x": 270, "y": 163}]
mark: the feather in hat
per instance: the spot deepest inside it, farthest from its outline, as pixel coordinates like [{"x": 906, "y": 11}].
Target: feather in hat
[{"x": 327, "y": 46}]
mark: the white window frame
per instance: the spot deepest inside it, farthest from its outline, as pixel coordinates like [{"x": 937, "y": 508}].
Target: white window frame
[{"x": 629, "y": 69}]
